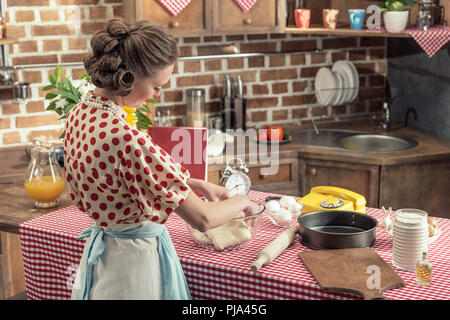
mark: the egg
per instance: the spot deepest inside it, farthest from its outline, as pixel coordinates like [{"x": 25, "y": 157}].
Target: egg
[
  {"x": 295, "y": 207},
  {"x": 273, "y": 205},
  {"x": 285, "y": 201},
  {"x": 283, "y": 215}
]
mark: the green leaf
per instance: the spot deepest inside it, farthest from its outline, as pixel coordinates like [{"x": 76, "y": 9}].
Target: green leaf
[
  {"x": 144, "y": 108},
  {"x": 152, "y": 101},
  {"x": 59, "y": 111},
  {"x": 51, "y": 106},
  {"x": 69, "y": 107},
  {"x": 49, "y": 87},
  {"x": 58, "y": 73},
  {"x": 52, "y": 79},
  {"x": 51, "y": 95}
]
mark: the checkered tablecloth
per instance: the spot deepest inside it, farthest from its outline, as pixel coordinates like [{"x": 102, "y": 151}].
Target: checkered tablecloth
[
  {"x": 51, "y": 254},
  {"x": 430, "y": 41},
  {"x": 175, "y": 6}
]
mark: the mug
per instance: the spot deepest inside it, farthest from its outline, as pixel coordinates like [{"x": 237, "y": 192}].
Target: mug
[
  {"x": 302, "y": 18},
  {"x": 330, "y": 18},
  {"x": 357, "y": 18}
]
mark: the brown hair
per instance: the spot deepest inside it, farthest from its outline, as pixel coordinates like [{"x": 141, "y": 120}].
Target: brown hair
[{"x": 123, "y": 52}]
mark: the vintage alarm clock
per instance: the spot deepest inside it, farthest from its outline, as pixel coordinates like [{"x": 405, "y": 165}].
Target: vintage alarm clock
[{"x": 235, "y": 178}]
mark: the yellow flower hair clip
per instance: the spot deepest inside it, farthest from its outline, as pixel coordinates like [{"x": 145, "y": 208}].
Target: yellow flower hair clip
[{"x": 131, "y": 118}]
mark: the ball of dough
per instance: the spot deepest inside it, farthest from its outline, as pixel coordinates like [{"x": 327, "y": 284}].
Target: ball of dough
[
  {"x": 285, "y": 201},
  {"x": 273, "y": 205}
]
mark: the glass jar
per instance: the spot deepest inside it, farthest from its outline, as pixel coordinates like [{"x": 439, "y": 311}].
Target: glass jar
[
  {"x": 195, "y": 107},
  {"x": 44, "y": 181}
]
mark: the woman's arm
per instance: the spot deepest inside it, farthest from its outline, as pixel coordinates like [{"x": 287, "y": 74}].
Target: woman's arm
[
  {"x": 211, "y": 191},
  {"x": 206, "y": 215}
]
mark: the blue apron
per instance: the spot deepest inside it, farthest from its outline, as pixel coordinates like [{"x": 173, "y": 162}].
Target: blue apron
[{"x": 174, "y": 285}]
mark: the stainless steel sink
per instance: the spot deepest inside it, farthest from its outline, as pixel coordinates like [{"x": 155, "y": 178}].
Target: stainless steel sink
[
  {"x": 376, "y": 143},
  {"x": 353, "y": 140}
]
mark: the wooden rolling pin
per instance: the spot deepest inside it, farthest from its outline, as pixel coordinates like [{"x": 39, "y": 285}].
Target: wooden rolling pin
[{"x": 273, "y": 249}]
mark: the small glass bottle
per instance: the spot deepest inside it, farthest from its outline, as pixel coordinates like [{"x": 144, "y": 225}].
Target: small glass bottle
[{"x": 423, "y": 270}]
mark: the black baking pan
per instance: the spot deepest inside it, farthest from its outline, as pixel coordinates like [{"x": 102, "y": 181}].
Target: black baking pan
[{"x": 337, "y": 229}]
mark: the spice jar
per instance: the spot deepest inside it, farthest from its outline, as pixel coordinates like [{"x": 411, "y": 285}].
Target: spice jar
[{"x": 2, "y": 28}]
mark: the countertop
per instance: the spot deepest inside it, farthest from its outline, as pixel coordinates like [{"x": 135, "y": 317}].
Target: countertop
[{"x": 15, "y": 205}]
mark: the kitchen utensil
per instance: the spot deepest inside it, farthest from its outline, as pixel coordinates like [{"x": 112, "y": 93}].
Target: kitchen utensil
[
  {"x": 195, "y": 107},
  {"x": 342, "y": 68},
  {"x": 338, "y": 99},
  {"x": 337, "y": 229},
  {"x": 325, "y": 86},
  {"x": 286, "y": 139},
  {"x": 226, "y": 108},
  {"x": 239, "y": 104},
  {"x": 358, "y": 271},
  {"x": 274, "y": 248},
  {"x": 7, "y": 75},
  {"x": 44, "y": 181},
  {"x": 231, "y": 236}
]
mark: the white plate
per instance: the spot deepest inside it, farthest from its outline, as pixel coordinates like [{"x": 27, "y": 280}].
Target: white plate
[
  {"x": 325, "y": 86},
  {"x": 343, "y": 69},
  {"x": 340, "y": 94},
  {"x": 355, "y": 81}
]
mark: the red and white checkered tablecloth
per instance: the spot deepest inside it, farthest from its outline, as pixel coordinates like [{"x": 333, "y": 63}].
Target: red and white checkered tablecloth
[
  {"x": 51, "y": 254},
  {"x": 430, "y": 41},
  {"x": 246, "y": 5},
  {"x": 175, "y": 6}
]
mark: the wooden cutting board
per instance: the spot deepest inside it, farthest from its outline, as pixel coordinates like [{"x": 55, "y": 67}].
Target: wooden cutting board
[{"x": 353, "y": 271}]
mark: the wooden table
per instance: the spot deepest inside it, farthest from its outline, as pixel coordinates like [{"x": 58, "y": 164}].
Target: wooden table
[{"x": 15, "y": 208}]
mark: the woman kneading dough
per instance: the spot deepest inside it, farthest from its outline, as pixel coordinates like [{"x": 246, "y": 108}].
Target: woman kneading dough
[{"x": 127, "y": 185}]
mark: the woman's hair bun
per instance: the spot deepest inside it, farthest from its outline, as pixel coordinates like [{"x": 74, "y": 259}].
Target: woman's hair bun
[{"x": 123, "y": 53}]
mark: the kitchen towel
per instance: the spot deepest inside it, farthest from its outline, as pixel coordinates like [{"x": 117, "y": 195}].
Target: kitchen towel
[
  {"x": 175, "y": 6},
  {"x": 246, "y": 4},
  {"x": 430, "y": 41}
]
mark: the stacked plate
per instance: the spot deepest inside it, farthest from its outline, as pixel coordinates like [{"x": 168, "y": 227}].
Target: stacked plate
[
  {"x": 410, "y": 238},
  {"x": 337, "y": 86}
]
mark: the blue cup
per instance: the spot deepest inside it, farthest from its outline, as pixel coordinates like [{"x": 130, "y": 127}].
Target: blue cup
[{"x": 357, "y": 18}]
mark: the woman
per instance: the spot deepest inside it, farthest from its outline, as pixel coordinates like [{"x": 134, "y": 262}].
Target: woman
[{"x": 128, "y": 185}]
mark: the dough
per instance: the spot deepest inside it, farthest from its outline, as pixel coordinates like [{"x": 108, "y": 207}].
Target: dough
[{"x": 230, "y": 234}]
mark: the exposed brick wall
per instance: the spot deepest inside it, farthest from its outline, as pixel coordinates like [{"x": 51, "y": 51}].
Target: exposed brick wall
[{"x": 277, "y": 87}]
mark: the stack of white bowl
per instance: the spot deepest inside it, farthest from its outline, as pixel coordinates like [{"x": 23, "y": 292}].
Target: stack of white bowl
[{"x": 410, "y": 237}]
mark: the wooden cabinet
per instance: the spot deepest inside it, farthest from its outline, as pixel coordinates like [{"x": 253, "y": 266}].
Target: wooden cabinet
[
  {"x": 285, "y": 181},
  {"x": 264, "y": 17},
  {"x": 211, "y": 17},
  {"x": 12, "y": 279},
  {"x": 194, "y": 20},
  {"x": 360, "y": 178},
  {"x": 422, "y": 185}
]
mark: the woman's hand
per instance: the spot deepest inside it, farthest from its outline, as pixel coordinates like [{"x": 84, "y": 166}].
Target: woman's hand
[{"x": 211, "y": 191}]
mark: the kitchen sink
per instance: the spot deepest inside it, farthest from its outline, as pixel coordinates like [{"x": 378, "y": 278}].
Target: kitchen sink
[
  {"x": 353, "y": 140},
  {"x": 376, "y": 143}
]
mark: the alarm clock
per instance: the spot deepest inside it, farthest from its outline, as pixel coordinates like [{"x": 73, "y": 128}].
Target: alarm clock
[{"x": 235, "y": 178}]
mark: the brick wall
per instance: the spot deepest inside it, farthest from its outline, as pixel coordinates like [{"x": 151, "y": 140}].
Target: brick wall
[{"x": 277, "y": 87}]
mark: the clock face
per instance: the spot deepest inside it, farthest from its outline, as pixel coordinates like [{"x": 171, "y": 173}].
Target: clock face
[{"x": 238, "y": 183}]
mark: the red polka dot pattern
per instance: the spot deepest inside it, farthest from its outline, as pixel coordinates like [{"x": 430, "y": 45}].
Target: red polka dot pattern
[{"x": 115, "y": 173}]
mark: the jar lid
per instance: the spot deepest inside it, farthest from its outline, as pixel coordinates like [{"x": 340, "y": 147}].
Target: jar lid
[{"x": 195, "y": 92}]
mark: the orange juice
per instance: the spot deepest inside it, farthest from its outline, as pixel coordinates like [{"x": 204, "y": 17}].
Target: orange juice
[{"x": 45, "y": 188}]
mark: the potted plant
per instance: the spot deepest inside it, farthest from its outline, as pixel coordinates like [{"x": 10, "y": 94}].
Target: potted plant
[
  {"x": 65, "y": 94},
  {"x": 396, "y": 14}
]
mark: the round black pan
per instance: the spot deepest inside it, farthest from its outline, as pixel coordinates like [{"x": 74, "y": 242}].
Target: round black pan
[{"x": 337, "y": 229}]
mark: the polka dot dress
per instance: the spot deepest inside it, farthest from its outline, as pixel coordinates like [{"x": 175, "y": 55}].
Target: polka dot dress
[{"x": 115, "y": 173}]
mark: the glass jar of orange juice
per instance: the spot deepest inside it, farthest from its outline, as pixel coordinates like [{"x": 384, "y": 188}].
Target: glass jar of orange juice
[{"x": 44, "y": 181}]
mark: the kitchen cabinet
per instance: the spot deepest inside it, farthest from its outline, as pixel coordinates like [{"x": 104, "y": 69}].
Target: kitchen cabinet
[
  {"x": 211, "y": 17},
  {"x": 285, "y": 181},
  {"x": 422, "y": 185},
  {"x": 12, "y": 281},
  {"x": 360, "y": 178}
]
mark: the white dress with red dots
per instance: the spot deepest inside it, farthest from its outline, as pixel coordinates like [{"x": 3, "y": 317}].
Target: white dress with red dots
[{"x": 122, "y": 180}]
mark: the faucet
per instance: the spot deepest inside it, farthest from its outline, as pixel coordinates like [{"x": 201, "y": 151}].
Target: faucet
[
  {"x": 386, "y": 124},
  {"x": 410, "y": 109}
]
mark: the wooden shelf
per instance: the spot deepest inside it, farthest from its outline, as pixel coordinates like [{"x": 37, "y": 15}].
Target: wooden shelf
[
  {"x": 342, "y": 31},
  {"x": 8, "y": 41}
]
